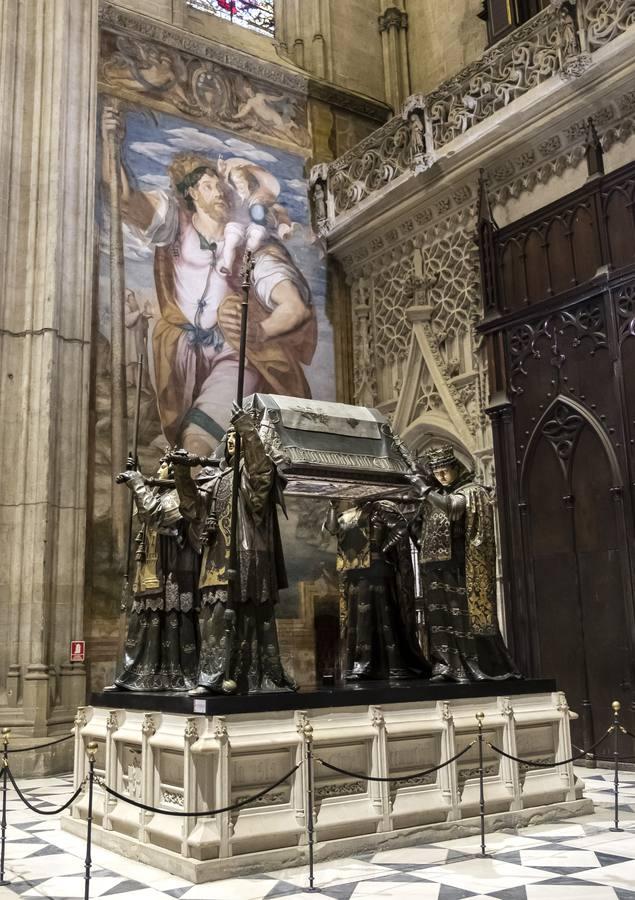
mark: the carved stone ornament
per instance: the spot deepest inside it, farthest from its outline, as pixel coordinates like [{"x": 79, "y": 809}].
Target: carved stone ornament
[
  {"x": 377, "y": 716},
  {"x": 134, "y": 776},
  {"x": 220, "y": 728},
  {"x": 80, "y": 718},
  {"x": 148, "y": 727},
  {"x": 393, "y": 18},
  {"x": 191, "y": 731},
  {"x": 202, "y": 88}
]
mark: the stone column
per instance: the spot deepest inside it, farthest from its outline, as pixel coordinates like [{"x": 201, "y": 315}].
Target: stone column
[
  {"x": 393, "y": 23},
  {"x": 48, "y": 60}
]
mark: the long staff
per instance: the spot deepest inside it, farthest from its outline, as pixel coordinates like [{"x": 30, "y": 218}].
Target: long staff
[
  {"x": 229, "y": 684},
  {"x": 118, "y": 405},
  {"x": 125, "y": 588}
]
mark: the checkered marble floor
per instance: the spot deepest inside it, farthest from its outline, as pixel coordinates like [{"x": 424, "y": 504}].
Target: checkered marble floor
[{"x": 577, "y": 858}]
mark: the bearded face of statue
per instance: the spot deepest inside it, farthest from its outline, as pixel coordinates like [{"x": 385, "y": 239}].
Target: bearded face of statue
[{"x": 446, "y": 475}]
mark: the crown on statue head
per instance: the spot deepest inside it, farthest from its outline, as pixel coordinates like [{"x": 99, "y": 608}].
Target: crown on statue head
[{"x": 441, "y": 457}]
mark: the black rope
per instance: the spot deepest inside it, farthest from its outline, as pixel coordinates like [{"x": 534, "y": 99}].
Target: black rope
[
  {"x": 41, "y": 746},
  {"x": 612, "y": 758},
  {"x": 597, "y": 743},
  {"x": 361, "y": 777},
  {"x": 199, "y": 813},
  {"x": 43, "y": 812},
  {"x": 556, "y": 762},
  {"x": 626, "y": 731}
]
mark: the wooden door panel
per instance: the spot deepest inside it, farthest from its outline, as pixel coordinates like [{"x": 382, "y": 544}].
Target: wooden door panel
[{"x": 565, "y": 298}]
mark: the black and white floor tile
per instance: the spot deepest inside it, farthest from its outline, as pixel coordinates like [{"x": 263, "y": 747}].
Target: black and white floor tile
[{"x": 576, "y": 859}]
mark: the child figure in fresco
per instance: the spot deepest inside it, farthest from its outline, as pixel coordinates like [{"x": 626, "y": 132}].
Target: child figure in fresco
[{"x": 257, "y": 214}]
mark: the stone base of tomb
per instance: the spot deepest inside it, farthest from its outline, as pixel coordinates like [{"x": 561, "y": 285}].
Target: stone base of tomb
[{"x": 183, "y": 762}]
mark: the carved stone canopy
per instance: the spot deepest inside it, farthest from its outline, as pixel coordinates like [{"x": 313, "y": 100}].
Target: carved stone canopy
[{"x": 392, "y": 18}]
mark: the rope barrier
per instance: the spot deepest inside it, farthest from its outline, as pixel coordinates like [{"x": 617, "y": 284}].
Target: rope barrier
[
  {"x": 556, "y": 762},
  {"x": 42, "y": 746},
  {"x": 597, "y": 743},
  {"x": 198, "y": 813},
  {"x": 92, "y": 748},
  {"x": 361, "y": 777},
  {"x": 612, "y": 758},
  {"x": 44, "y": 812}
]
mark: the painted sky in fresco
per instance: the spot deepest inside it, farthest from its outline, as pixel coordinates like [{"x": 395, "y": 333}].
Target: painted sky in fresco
[{"x": 151, "y": 140}]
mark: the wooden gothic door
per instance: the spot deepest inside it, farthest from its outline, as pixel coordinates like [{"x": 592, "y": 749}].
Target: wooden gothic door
[{"x": 559, "y": 291}]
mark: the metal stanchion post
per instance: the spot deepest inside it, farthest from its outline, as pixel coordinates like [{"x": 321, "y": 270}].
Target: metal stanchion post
[
  {"x": 308, "y": 734},
  {"x": 91, "y": 749},
  {"x": 616, "y": 706},
  {"x": 480, "y": 716},
  {"x": 3, "y": 826}
]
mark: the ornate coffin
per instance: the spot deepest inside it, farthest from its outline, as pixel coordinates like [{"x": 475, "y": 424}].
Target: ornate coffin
[{"x": 332, "y": 449}]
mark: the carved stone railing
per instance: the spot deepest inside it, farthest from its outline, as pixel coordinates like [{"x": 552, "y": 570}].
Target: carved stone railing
[
  {"x": 560, "y": 39},
  {"x": 395, "y": 148},
  {"x": 527, "y": 57},
  {"x": 601, "y": 21}
]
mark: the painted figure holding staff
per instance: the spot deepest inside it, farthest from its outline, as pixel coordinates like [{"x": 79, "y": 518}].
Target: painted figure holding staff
[{"x": 197, "y": 227}]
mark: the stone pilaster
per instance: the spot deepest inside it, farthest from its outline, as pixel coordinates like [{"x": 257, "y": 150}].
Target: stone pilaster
[
  {"x": 48, "y": 50},
  {"x": 393, "y": 24}
]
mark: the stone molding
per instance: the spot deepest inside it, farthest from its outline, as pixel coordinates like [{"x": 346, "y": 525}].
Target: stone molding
[{"x": 113, "y": 18}]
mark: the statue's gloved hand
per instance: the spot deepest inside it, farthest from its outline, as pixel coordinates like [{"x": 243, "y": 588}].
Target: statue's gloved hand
[
  {"x": 421, "y": 485},
  {"x": 183, "y": 458},
  {"x": 241, "y": 420},
  {"x": 123, "y": 477},
  {"x": 396, "y": 534},
  {"x": 131, "y": 469}
]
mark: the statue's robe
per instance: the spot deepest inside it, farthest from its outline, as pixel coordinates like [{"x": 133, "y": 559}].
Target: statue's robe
[
  {"x": 239, "y": 638},
  {"x": 377, "y": 595},
  {"x": 161, "y": 648},
  {"x": 458, "y": 569}
]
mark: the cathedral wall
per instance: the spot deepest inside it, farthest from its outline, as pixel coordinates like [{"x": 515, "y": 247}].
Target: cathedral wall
[{"x": 442, "y": 39}]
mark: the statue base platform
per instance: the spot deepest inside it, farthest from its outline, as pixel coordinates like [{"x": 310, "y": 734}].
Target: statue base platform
[
  {"x": 187, "y": 759},
  {"x": 319, "y": 696}
]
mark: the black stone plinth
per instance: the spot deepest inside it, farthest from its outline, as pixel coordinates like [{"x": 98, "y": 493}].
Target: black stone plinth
[{"x": 360, "y": 694}]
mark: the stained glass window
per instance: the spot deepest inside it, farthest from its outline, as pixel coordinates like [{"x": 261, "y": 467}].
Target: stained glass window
[{"x": 258, "y": 16}]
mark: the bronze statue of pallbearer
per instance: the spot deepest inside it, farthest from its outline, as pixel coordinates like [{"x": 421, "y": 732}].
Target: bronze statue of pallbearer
[
  {"x": 455, "y": 526},
  {"x": 374, "y": 564},
  {"x": 239, "y": 648},
  {"x": 161, "y": 645}
]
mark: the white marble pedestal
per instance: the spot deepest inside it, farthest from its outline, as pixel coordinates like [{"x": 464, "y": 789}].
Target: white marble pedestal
[{"x": 193, "y": 762}]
